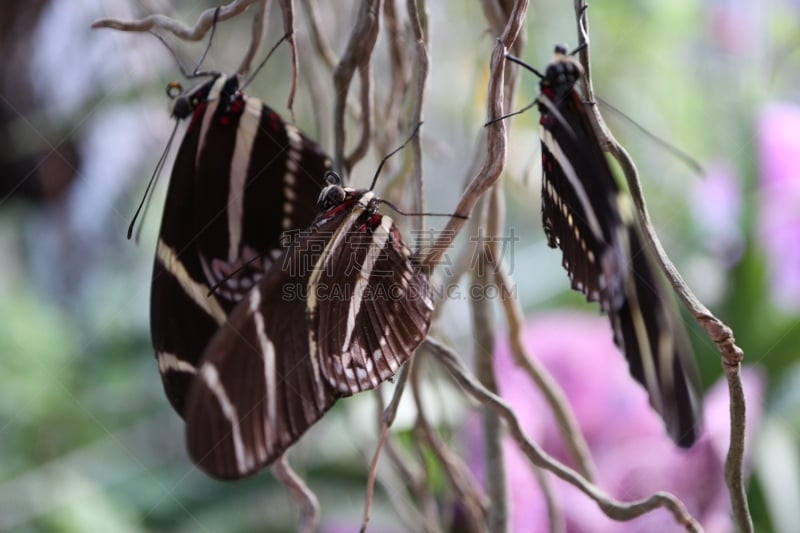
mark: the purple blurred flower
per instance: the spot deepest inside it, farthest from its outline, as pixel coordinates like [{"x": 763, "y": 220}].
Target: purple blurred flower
[
  {"x": 778, "y": 131},
  {"x": 632, "y": 452}
]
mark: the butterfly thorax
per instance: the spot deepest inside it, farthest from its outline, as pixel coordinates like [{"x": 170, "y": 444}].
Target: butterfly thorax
[{"x": 221, "y": 89}]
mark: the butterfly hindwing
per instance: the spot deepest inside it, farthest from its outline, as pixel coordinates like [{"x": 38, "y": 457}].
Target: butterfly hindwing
[
  {"x": 658, "y": 352},
  {"x": 258, "y": 388}
]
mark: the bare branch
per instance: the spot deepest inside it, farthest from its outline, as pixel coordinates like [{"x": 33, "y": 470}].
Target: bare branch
[
  {"x": 427, "y": 502},
  {"x": 418, "y": 18},
  {"x": 287, "y": 8},
  {"x": 388, "y": 418},
  {"x": 413, "y": 477},
  {"x": 458, "y": 474},
  {"x": 260, "y": 16},
  {"x": 321, "y": 44},
  {"x": 357, "y": 55},
  {"x": 734, "y": 462},
  {"x": 483, "y": 336},
  {"x": 612, "y": 508},
  {"x": 554, "y": 395},
  {"x": 720, "y": 333},
  {"x": 396, "y": 100},
  {"x": 554, "y": 514},
  {"x": 496, "y": 140},
  {"x": 305, "y": 499},
  {"x": 177, "y": 28}
]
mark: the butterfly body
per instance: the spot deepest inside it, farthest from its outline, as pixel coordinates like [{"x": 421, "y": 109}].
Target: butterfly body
[{"x": 590, "y": 217}]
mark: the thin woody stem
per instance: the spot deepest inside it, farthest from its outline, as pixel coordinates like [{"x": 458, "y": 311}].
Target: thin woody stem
[
  {"x": 612, "y": 508},
  {"x": 719, "y": 333}
]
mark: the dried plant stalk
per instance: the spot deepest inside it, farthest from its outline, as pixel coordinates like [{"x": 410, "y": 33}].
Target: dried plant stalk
[
  {"x": 612, "y": 508},
  {"x": 357, "y": 55},
  {"x": 717, "y": 331},
  {"x": 305, "y": 499},
  {"x": 177, "y": 28}
]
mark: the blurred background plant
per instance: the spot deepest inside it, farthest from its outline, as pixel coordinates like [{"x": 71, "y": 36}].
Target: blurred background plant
[{"x": 87, "y": 439}]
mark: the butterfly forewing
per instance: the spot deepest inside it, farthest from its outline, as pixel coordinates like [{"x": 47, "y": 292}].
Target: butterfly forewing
[
  {"x": 375, "y": 308},
  {"x": 241, "y": 177},
  {"x": 579, "y": 215},
  {"x": 589, "y": 216}
]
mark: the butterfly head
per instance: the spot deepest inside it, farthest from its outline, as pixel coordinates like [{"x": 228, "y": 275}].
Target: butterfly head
[
  {"x": 333, "y": 194},
  {"x": 561, "y": 75},
  {"x": 187, "y": 101}
]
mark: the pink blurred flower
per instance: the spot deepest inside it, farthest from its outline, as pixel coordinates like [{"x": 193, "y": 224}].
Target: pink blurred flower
[
  {"x": 733, "y": 25},
  {"x": 632, "y": 452},
  {"x": 778, "y": 131}
]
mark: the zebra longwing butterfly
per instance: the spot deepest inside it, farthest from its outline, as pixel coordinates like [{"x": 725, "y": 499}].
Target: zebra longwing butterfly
[
  {"x": 242, "y": 177},
  {"x": 591, "y": 218},
  {"x": 343, "y": 308}
]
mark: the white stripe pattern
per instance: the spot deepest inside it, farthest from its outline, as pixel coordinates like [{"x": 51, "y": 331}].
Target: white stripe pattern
[
  {"x": 211, "y": 106},
  {"x": 293, "y": 156},
  {"x": 313, "y": 280},
  {"x": 268, "y": 354},
  {"x": 169, "y": 362},
  {"x": 244, "y": 462},
  {"x": 572, "y": 177},
  {"x": 240, "y": 164},
  {"x": 197, "y": 292},
  {"x": 379, "y": 238}
]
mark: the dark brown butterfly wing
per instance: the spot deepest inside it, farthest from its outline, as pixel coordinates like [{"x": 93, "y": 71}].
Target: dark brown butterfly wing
[
  {"x": 242, "y": 176},
  {"x": 259, "y": 388},
  {"x": 648, "y": 330},
  {"x": 294, "y": 346}
]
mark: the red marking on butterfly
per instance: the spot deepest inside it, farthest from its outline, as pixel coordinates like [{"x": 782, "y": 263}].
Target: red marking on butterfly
[
  {"x": 199, "y": 109},
  {"x": 237, "y": 106},
  {"x": 274, "y": 121}
]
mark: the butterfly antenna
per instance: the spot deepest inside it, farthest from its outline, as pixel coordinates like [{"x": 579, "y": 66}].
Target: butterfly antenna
[
  {"x": 390, "y": 154},
  {"x": 579, "y": 48},
  {"x": 195, "y": 72},
  {"x": 264, "y": 61},
  {"x": 518, "y": 61},
  {"x": 674, "y": 150},
  {"x": 153, "y": 178},
  {"x": 489, "y": 123},
  {"x": 405, "y": 213},
  {"x": 182, "y": 68}
]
